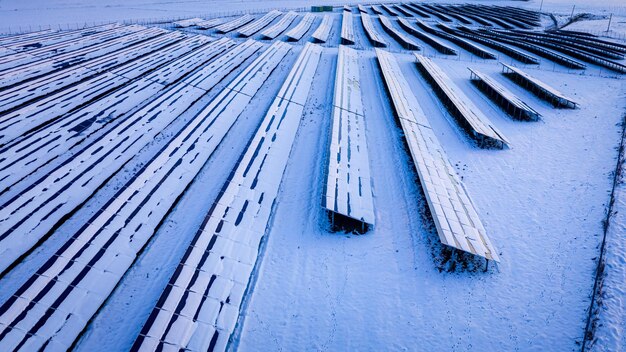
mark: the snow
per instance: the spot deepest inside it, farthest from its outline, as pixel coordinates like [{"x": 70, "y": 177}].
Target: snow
[
  {"x": 48, "y": 84},
  {"x": 374, "y": 36},
  {"x": 616, "y": 29},
  {"x": 480, "y": 125},
  {"x": 41, "y": 67},
  {"x": 542, "y": 201},
  {"x": 512, "y": 101},
  {"x": 382, "y": 290},
  {"x": 348, "y": 187},
  {"x": 347, "y": 28},
  {"x": 430, "y": 40},
  {"x": 30, "y": 15},
  {"x": 251, "y": 28},
  {"x": 235, "y": 23},
  {"x": 21, "y": 222},
  {"x": 297, "y": 32},
  {"x": 323, "y": 31},
  {"x": 233, "y": 229},
  {"x": 550, "y": 92},
  {"x": 610, "y": 309},
  {"x": 140, "y": 204},
  {"x": 280, "y": 26},
  {"x": 120, "y": 321},
  {"x": 458, "y": 224},
  {"x": 404, "y": 40}
]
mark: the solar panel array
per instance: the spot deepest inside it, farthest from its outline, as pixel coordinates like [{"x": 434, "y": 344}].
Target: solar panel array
[
  {"x": 469, "y": 116},
  {"x": 76, "y": 107},
  {"x": 348, "y": 186},
  {"x": 199, "y": 308},
  {"x": 457, "y": 222}
]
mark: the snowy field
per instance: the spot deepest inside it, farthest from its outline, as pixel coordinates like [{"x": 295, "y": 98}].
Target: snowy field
[
  {"x": 20, "y": 16},
  {"x": 163, "y": 185}
]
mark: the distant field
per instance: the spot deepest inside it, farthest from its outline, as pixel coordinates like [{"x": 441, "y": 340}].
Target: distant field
[{"x": 18, "y": 16}]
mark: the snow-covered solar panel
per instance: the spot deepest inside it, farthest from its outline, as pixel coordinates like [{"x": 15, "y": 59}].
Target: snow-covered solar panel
[
  {"x": 458, "y": 17},
  {"x": 479, "y": 15},
  {"x": 478, "y": 20},
  {"x": 389, "y": 10},
  {"x": 347, "y": 29},
  {"x": 297, "y": 32},
  {"x": 533, "y": 48},
  {"x": 376, "y": 9},
  {"x": 606, "y": 51},
  {"x": 280, "y": 26},
  {"x": 512, "y": 52},
  {"x": 436, "y": 11},
  {"x": 75, "y": 282},
  {"x": 66, "y": 47},
  {"x": 188, "y": 22},
  {"x": 577, "y": 51},
  {"x": 39, "y": 68},
  {"x": 27, "y": 91},
  {"x": 13, "y": 44},
  {"x": 323, "y": 31},
  {"x": 455, "y": 217},
  {"x": 463, "y": 43},
  {"x": 61, "y": 134},
  {"x": 348, "y": 187},
  {"x": 589, "y": 39},
  {"x": 252, "y": 28},
  {"x": 54, "y": 105},
  {"x": 425, "y": 37},
  {"x": 200, "y": 306},
  {"x": 29, "y": 222},
  {"x": 417, "y": 10},
  {"x": 547, "y": 92},
  {"x": 372, "y": 34},
  {"x": 234, "y": 24},
  {"x": 214, "y": 22},
  {"x": 400, "y": 37},
  {"x": 504, "y": 97},
  {"x": 469, "y": 116},
  {"x": 402, "y": 10},
  {"x": 516, "y": 23},
  {"x": 16, "y": 38}
]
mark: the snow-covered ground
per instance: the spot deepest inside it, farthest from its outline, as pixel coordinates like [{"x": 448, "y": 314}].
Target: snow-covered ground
[
  {"x": 602, "y": 26},
  {"x": 609, "y": 334},
  {"x": 542, "y": 202}
]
